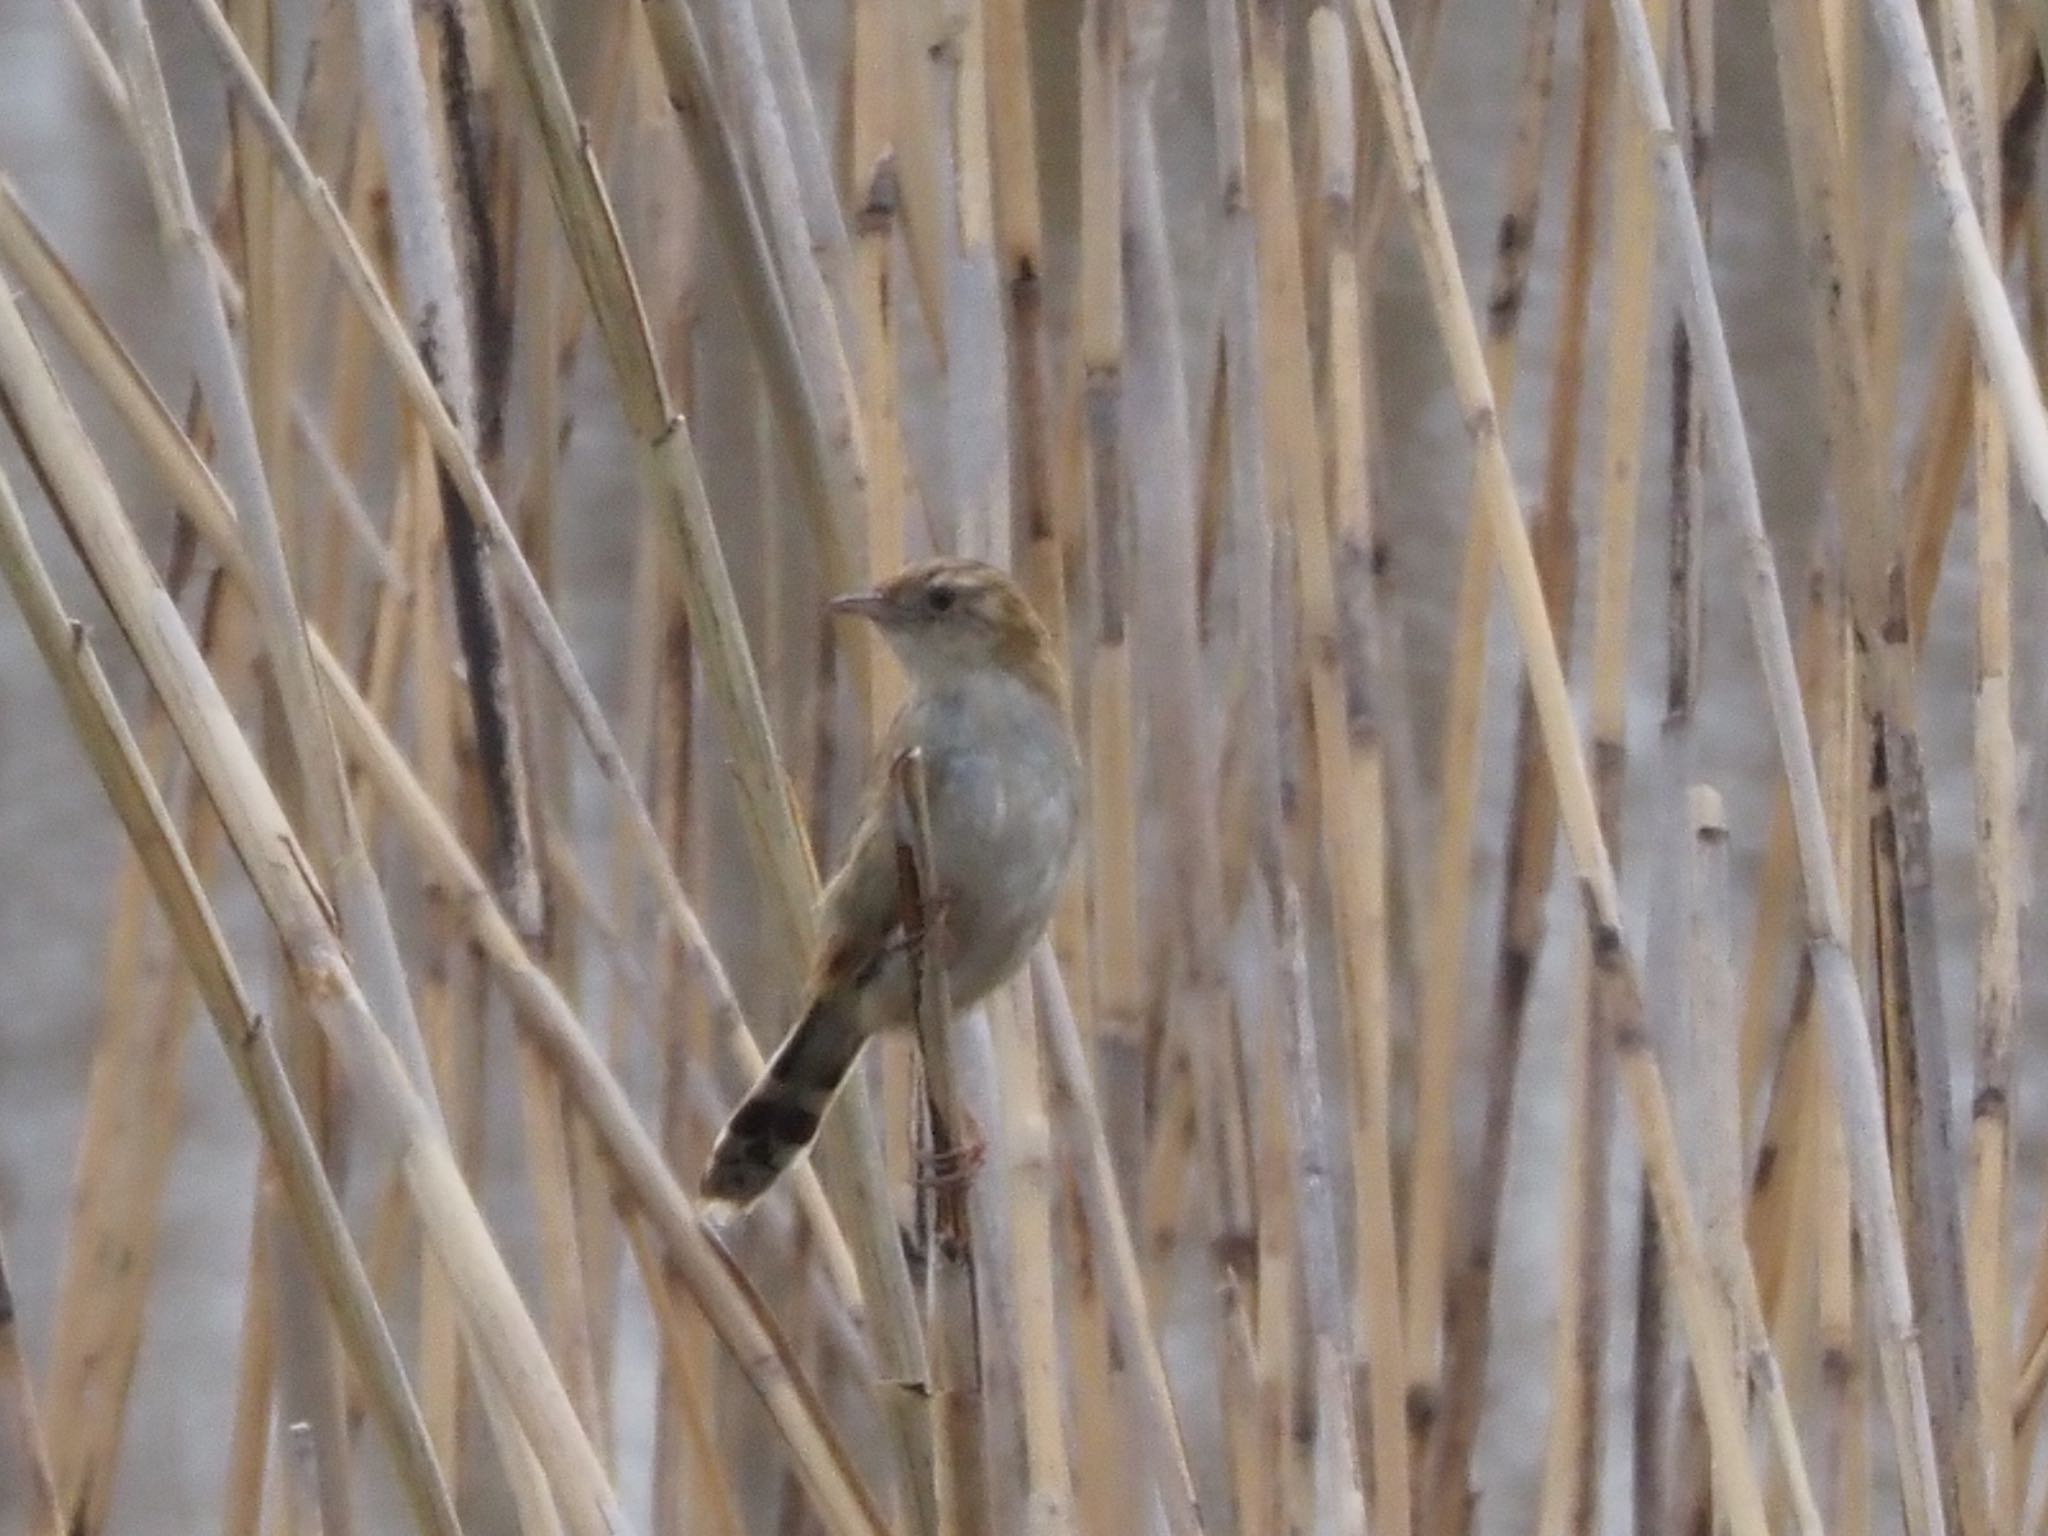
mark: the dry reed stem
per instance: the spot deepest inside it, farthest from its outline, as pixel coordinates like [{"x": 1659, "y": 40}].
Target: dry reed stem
[
  {"x": 1848, "y": 1036},
  {"x": 124, "y": 1146},
  {"x": 1157, "y": 436},
  {"x": 1598, "y": 891},
  {"x": 1629, "y": 321},
  {"x": 1710, "y": 1011},
  {"x": 397, "y": 1122},
  {"x": 460, "y": 463},
  {"x": 1971, "y": 50},
  {"x": 686, "y": 76},
  {"x": 31, "y": 1448},
  {"x": 310, "y": 1386},
  {"x": 336, "y": 838},
  {"x": 1457, "y": 1396},
  {"x": 249, "y": 1432},
  {"x": 250, "y": 1047},
  {"x": 947, "y": 1160},
  {"x": 715, "y": 1501},
  {"x": 1350, "y": 802},
  {"x": 852, "y": 1154},
  {"x": 876, "y": 195},
  {"x": 1322, "y": 1272},
  {"x": 475, "y": 381},
  {"x": 202, "y": 501},
  {"x": 814, "y": 309},
  {"x": 2002, "y": 350},
  {"x": 977, "y": 405},
  {"x": 1684, "y": 631},
  {"x": 1110, "y": 1237},
  {"x": 1909, "y": 996},
  {"x": 1576, "y": 1445},
  {"x": 1027, "y": 1136},
  {"x": 1460, "y": 1308},
  {"x": 1118, "y": 986}
]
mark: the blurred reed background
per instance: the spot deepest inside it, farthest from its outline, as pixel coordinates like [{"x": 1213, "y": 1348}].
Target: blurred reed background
[{"x": 1537, "y": 1041}]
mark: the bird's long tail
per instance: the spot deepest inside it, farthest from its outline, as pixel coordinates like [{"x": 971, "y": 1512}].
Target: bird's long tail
[{"x": 780, "y": 1115}]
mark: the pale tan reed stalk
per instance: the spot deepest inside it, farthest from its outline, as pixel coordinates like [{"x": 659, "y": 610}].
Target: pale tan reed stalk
[
  {"x": 1848, "y": 1035},
  {"x": 31, "y": 1447},
  {"x": 528, "y": 600},
  {"x": 203, "y": 501},
  {"x": 1456, "y": 1399},
  {"x": 251, "y": 1049},
  {"x": 1459, "y": 1309},
  {"x": 1970, "y": 46},
  {"x": 1570, "y": 1496},
  {"x": 403, "y": 1126},
  {"x": 1102, "y": 1210},
  {"x": 1641, "y": 1077},
  {"x": 1351, "y": 762}
]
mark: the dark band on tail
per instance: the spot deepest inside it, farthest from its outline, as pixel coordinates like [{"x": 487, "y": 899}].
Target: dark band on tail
[{"x": 780, "y": 1117}]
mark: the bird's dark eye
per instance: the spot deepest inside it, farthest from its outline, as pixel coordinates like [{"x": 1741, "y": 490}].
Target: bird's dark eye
[{"x": 940, "y": 599}]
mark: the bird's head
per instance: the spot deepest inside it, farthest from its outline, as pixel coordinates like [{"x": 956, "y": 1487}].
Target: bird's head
[{"x": 948, "y": 617}]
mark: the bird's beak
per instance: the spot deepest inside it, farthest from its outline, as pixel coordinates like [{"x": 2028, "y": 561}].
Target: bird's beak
[{"x": 870, "y": 605}]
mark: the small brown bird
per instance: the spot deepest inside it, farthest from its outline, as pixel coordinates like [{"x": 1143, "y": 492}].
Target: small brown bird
[{"x": 987, "y": 709}]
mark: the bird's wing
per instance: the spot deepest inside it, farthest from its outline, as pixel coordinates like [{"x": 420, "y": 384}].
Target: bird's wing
[{"x": 859, "y": 911}]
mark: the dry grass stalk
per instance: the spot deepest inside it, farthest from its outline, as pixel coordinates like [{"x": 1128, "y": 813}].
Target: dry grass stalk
[
  {"x": 454, "y": 456},
  {"x": 250, "y": 1047},
  {"x": 1615, "y": 970},
  {"x": 1848, "y": 1037},
  {"x": 209, "y": 514},
  {"x": 1227, "y": 531},
  {"x": 1349, "y": 793},
  {"x": 1972, "y": 54},
  {"x": 31, "y": 1447},
  {"x": 403, "y": 1126},
  {"x": 1467, "y": 1298},
  {"x": 1109, "y": 1234},
  {"x": 947, "y": 1163},
  {"x": 1576, "y": 1437},
  {"x": 1461, "y": 1308}
]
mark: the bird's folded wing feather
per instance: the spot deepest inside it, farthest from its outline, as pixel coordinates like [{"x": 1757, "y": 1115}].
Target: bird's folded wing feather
[{"x": 860, "y": 909}]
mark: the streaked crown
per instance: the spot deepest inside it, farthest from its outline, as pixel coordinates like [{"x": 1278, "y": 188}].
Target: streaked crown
[{"x": 947, "y": 613}]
